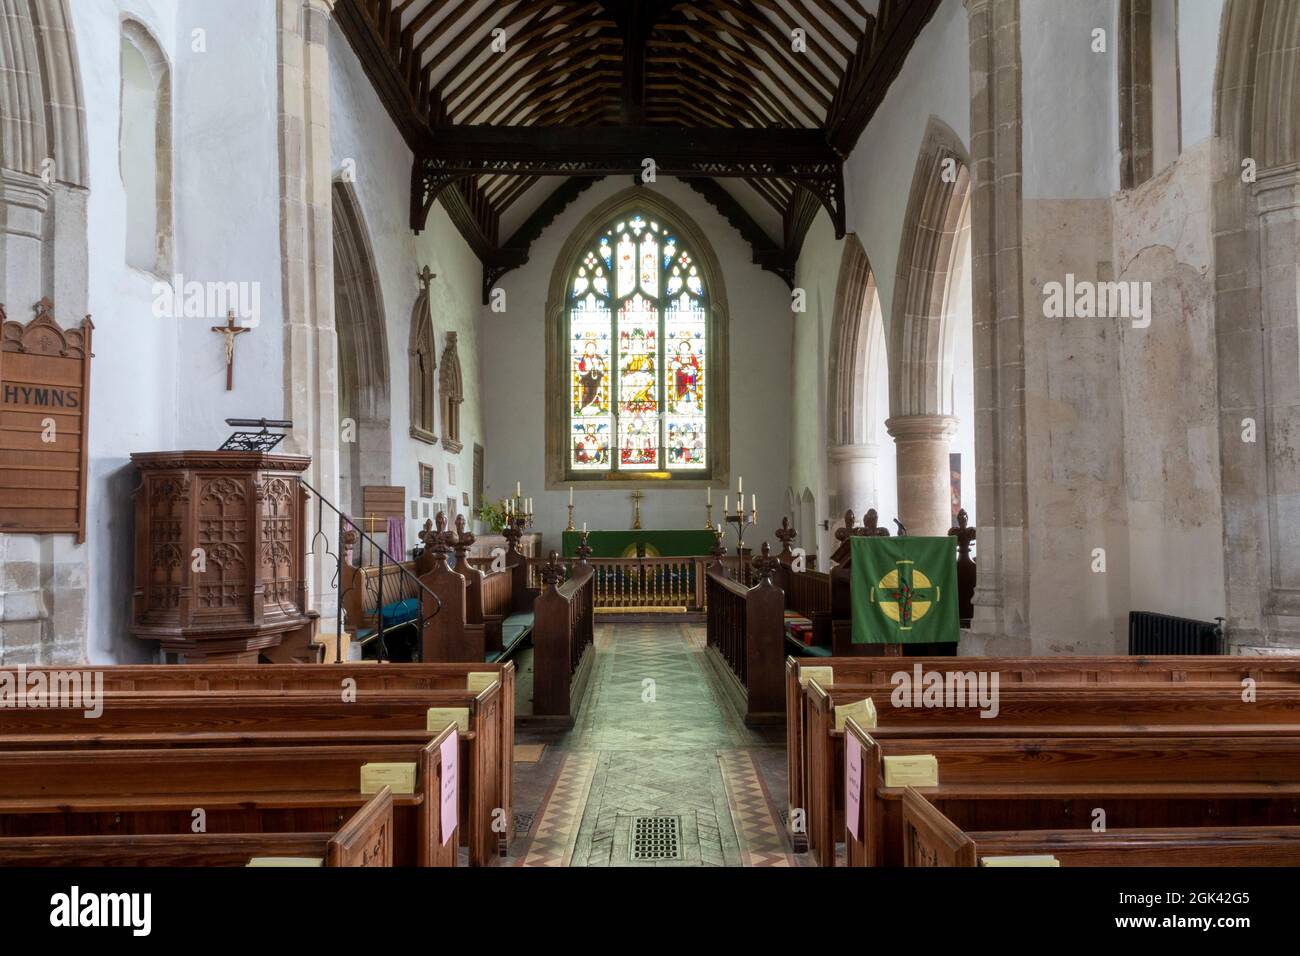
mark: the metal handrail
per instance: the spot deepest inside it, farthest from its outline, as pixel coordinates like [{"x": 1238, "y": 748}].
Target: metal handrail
[{"x": 345, "y": 523}]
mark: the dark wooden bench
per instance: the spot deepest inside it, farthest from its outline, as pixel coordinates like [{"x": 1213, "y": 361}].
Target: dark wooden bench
[
  {"x": 931, "y": 839},
  {"x": 1043, "y": 711},
  {"x": 103, "y": 792},
  {"x": 484, "y": 616},
  {"x": 367, "y": 678},
  {"x": 366, "y": 839},
  {"x": 1058, "y": 783},
  {"x": 870, "y": 676},
  {"x": 745, "y": 640},
  {"x": 562, "y": 636}
]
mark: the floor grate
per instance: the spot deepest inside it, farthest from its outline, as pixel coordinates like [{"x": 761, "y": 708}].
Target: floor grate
[{"x": 656, "y": 838}]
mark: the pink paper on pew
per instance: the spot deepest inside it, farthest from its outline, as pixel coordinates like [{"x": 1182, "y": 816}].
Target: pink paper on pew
[
  {"x": 852, "y": 783},
  {"x": 450, "y": 787}
]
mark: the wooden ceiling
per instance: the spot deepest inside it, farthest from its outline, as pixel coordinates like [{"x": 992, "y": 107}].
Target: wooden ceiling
[{"x": 493, "y": 95}]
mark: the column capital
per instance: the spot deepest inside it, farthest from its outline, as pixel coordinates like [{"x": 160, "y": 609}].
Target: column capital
[
  {"x": 921, "y": 427},
  {"x": 866, "y": 451},
  {"x": 1277, "y": 189}
]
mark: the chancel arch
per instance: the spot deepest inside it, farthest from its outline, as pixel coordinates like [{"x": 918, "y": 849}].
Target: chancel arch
[
  {"x": 931, "y": 294},
  {"x": 1256, "y": 185},
  {"x": 860, "y": 452},
  {"x": 660, "y": 352},
  {"x": 365, "y": 456}
]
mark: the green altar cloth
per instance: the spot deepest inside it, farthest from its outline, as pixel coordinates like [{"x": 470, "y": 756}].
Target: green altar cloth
[
  {"x": 621, "y": 544},
  {"x": 904, "y": 590}
]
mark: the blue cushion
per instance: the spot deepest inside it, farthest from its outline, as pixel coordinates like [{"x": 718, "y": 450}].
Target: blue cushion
[
  {"x": 515, "y": 628},
  {"x": 525, "y": 619},
  {"x": 400, "y": 612}
]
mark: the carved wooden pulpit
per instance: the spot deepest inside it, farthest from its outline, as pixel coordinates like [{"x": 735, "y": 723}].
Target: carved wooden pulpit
[{"x": 221, "y": 555}]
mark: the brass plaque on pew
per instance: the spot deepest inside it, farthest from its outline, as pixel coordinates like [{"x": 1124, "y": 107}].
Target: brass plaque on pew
[
  {"x": 399, "y": 777},
  {"x": 863, "y": 711},
  {"x": 286, "y": 861},
  {"x": 439, "y": 717},
  {"x": 479, "y": 681},
  {"x": 912, "y": 770},
  {"x": 1035, "y": 860},
  {"x": 822, "y": 675}
]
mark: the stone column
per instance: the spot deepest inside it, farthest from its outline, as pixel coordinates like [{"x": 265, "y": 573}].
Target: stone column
[
  {"x": 306, "y": 242},
  {"x": 1277, "y": 202},
  {"x": 1002, "y": 587},
  {"x": 924, "y": 488},
  {"x": 855, "y": 477}
]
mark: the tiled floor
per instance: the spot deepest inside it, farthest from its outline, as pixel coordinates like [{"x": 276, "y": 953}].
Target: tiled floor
[{"x": 653, "y": 737}]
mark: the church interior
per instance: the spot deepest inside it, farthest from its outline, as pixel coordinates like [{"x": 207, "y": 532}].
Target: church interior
[{"x": 649, "y": 433}]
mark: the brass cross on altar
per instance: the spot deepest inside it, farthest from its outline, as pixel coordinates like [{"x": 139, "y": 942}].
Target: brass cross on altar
[
  {"x": 230, "y": 330},
  {"x": 636, "y": 497}
]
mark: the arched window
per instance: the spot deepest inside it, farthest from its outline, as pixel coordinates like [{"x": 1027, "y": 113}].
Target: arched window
[
  {"x": 638, "y": 318},
  {"x": 145, "y": 150}
]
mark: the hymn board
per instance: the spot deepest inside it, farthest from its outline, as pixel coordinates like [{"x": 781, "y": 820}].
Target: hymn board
[{"x": 44, "y": 389}]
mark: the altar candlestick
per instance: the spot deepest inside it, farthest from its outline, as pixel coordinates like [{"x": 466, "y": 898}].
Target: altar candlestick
[{"x": 584, "y": 527}]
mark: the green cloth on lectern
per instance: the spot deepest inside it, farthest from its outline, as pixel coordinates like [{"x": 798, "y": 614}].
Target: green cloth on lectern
[
  {"x": 619, "y": 544},
  {"x": 904, "y": 590}
]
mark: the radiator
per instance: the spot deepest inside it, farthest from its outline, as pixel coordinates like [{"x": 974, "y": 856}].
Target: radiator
[{"x": 1151, "y": 633}]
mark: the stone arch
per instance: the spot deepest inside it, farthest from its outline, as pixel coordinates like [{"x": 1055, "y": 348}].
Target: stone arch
[
  {"x": 858, "y": 362},
  {"x": 1257, "y": 180},
  {"x": 364, "y": 387},
  {"x": 936, "y": 237},
  {"x": 933, "y": 256},
  {"x": 142, "y": 40},
  {"x": 652, "y": 203},
  {"x": 42, "y": 114}
]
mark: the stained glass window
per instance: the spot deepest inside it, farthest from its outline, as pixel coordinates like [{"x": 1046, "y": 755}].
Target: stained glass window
[{"x": 638, "y": 327}]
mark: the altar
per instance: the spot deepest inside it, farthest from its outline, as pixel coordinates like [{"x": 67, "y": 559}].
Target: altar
[{"x": 642, "y": 543}]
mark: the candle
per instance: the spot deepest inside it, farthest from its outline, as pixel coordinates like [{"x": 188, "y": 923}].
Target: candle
[
  {"x": 584, "y": 527},
  {"x": 740, "y": 486},
  {"x": 518, "y": 491},
  {"x": 570, "y": 494},
  {"x": 726, "y": 499},
  {"x": 710, "y": 498},
  {"x": 529, "y": 508},
  {"x": 753, "y": 503},
  {"x": 719, "y": 527}
]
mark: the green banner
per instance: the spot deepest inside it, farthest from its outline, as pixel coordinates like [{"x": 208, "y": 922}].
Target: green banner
[
  {"x": 904, "y": 590},
  {"x": 624, "y": 544}
]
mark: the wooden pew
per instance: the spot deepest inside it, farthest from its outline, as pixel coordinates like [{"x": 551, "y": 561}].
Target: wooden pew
[
  {"x": 239, "y": 789},
  {"x": 1057, "y": 783},
  {"x": 1030, "y": 711},
  {"x": 367, "y": 678},
  {"x": 807, "y": 619},
  {"x": 872, "y": 675},
  {"x": 931, "y": 839},
  {"x": 562, "y": 635},
  {"x": 366, "y": 839},
  {"x": 745, "y": 640},
  {"x": 391, "y": 593},
  {"x": 484, "y": 616},
  {"x": 223, "y": 719}
]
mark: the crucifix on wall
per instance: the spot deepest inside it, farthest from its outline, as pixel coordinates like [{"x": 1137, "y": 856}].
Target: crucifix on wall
[
  {"x": 636, "y": 497},
  {"x": 230, "y": 330}
]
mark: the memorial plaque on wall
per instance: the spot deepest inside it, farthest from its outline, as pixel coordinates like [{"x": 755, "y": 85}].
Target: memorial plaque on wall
[{"x": 44, "y": 418}]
